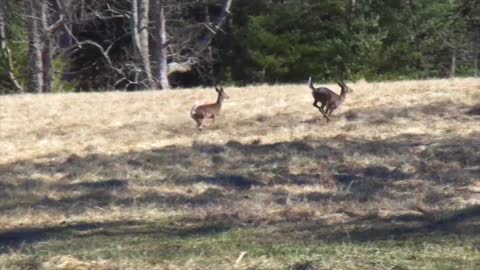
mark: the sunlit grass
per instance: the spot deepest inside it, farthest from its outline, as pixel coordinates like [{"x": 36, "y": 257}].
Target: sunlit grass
[{"x": 33, "y": 127}]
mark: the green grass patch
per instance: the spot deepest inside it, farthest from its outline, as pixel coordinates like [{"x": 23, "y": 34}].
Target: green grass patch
[{"x": 216, "y": 247}]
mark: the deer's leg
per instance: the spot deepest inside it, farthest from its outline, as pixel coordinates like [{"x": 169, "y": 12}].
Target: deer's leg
[
  {"x": 328, "y": 112},
  {"x": 325, "y": 113},
  {"x": 315, "y": 104},
  {"x": 207, "y": 123},
  {"x": 200, "y": 121},
  {"x": 200, "y": 124},
  {"x": 197, "y": 120}
]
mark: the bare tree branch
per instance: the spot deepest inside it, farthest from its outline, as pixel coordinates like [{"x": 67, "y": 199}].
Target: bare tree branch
[
  {"x": 55, "y": 26},
  {"x": 211, "y": 34}
]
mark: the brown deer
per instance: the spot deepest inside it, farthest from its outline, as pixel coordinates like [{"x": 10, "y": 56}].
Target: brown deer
[
  {"x": 208, "y": 111},
  {"x": 329, "y": 99}
]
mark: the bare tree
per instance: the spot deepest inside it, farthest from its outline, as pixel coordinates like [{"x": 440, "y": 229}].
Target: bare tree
[
  {"x": 180, "y": 63},
  {"x": 161, "y": 45},
  {"x": 214, "y": 29},
  {"x": 476, "y": 48},
  {"x": 144, "y": 48},
  {"x": 6, "y": 54},
  {"x": 136, "y": 38},
  {"x": 176, "y": 51},
  {"x": 453, "y": 63},
  {"x": 35, "y": 47},
  {"x": 41, "y": 46},
  {"x": 47, "y": 48},
  {"x": 140, "y": 37}
]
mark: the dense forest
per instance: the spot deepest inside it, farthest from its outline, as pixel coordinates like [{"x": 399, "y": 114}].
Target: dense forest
[{"x": 94, "y": 45}]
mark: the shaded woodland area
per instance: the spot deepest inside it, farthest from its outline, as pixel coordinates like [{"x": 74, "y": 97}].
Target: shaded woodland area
[
  {"x": 65, "y": 45},
  {"x": 84, "y": 45}
]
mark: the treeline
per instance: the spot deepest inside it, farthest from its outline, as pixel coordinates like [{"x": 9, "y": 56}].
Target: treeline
[
  {"x": 91, "y": 45},
  {"x": 283, "y": 41}
]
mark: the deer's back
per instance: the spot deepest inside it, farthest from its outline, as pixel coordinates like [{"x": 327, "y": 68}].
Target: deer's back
[
  {"x": 207, "y": 109},
  {"x": 324, "y": 94}
]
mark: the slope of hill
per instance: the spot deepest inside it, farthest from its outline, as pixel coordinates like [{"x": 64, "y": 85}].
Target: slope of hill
[{"x": 125, "y": 181}]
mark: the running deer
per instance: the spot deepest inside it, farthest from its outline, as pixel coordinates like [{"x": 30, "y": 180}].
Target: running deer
[
  {"x": 329, "y": 99},
  {"x": 208, "y": 111}
]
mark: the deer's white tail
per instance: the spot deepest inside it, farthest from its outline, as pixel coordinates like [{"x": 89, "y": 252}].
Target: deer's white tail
[
  {"x": 310, "y": 83},
  {"x": 192, "y": 112}
]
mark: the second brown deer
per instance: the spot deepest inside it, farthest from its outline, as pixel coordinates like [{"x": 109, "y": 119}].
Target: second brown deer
[
  {"x": 208, "y": 111},
  {"x": 329, "y": 99}
]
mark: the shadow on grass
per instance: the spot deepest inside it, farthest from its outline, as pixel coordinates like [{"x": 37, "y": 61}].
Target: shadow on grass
[
  {"x": 475, "y": 110},
  {"x": 239, "y": 167},
  {"x": 462, "y": 222},
  {"x": 87, "y": 195},
  {"x": 236, "y": 171},
  {"x": 445, "y": 110},
  {"x": 15, "y": 239}
]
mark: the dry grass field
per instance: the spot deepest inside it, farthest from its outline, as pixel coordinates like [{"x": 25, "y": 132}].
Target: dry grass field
[{"x": 124, "y": 180}]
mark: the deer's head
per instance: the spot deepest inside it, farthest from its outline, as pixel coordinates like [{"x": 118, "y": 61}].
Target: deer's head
[
  {"x": 344, "y": 87},
  {"x": 221, "y": 94}
]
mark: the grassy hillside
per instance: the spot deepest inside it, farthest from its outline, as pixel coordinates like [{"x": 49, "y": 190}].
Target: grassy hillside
[{"x": 125, "y": 181}]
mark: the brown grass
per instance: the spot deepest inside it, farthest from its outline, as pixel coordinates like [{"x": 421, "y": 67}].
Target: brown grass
[
  {"x": 35, "y": 127},
  {"x": 404, "y": 152}
]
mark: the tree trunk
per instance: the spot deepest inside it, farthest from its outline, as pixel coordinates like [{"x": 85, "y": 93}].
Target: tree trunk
[
  {"x": 47, "y": 59},
  {"x": 211, "y": 73},
  {"x": 161, "y": 45},
  {"x": 143, "y": 12},
  {"x": 351, "y": 11},
  {"x": 453, "y": 63},
  {"x": 6, "y": 54},
  {"x": 139, "y": 26},
  {"x": 35, "y": 84},
  {"x": 476, "y": 48},
  {"x": 66, "y": 39},
  {"x": 135, "y": 37}
]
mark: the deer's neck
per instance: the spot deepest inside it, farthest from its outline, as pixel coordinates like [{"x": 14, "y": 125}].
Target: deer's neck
[
  {"x": 343, "y": 93},
  {"x": 219, "y": 100}
]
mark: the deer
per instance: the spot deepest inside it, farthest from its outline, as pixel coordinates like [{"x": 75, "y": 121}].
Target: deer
[
  {"x": 329, "y": 99},
  {"x": 208, "y": 111}
]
